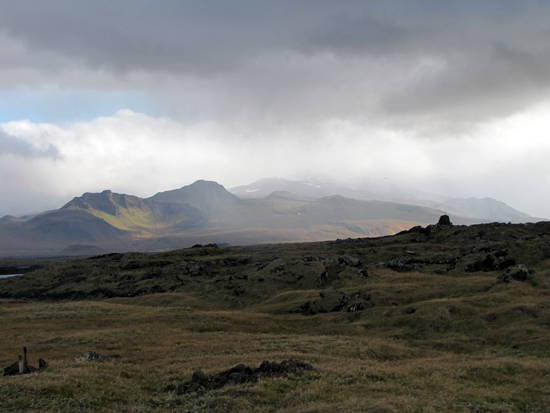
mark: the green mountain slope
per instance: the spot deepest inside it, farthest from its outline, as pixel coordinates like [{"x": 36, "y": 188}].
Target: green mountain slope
[{"x": 135, "y": 214}]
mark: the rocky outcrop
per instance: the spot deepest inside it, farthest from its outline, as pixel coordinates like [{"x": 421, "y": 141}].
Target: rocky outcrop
[
  {"x": 444, "y": 220},
  {"x": 240, "y": 374},
  {"x": 331, "y": 300},
  {"x": 520, "y": 273},
  {"x": 490, "y": 264},
  {"x": 211, "y": 245},
  {"x": 356, "y": 306},
  {"x": 347, "y": 260},
  {"x": 407, "y": 264},
  {"x": 278, "y": 268}
]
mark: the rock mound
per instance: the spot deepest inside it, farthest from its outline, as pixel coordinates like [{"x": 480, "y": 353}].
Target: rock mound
[
  {"x": 444, "y": 220},
  {"x": 240, "y": 374}
]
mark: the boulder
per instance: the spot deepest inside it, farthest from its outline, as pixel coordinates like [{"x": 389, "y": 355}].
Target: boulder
[
  {"x": 488, "y": 264},
  {"x": 521, "y": 273},
  {"x": 278, "y": 268},
  {"x": 331, "y": 300},
  {"x": 200, "y": 377},
  {"x": 346, "y": 260},
  {"x": 444, "y": 220},
  {"x": 330, "y": 273},
  {"x": 91, "y": 356},
  {"x": 356, "y": 306}
]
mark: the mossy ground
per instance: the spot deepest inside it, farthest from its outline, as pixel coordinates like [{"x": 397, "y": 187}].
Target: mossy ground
[
  {"x": 431, "y": 339},
  {"x": 355, "y": 368}
]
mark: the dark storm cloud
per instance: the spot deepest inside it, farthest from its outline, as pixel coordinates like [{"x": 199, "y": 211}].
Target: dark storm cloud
[
  {"x": 439, "y": 63},
  {"x": 12, "y": 145},
  {"x": 172, "y": 36}
]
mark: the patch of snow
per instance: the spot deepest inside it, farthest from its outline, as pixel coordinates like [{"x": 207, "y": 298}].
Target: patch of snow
[{"x": 252, "y": 190}]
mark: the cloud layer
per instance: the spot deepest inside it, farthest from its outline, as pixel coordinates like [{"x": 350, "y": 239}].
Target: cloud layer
[
  {"x": 141, "y": 155},
  {"x": 447, "y": 97},
  {"x": 429, "y": 64}
]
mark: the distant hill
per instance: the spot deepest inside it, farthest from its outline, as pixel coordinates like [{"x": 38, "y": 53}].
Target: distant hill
[
  {"x": 486, "y": 209},
  {"x": 204, "y": 195},
  {"x": 10, "y": 218},
  {"x": 50, "y": 232},
  {"x": 205, "y": 212},
  {"x": 312, "y": 188}
]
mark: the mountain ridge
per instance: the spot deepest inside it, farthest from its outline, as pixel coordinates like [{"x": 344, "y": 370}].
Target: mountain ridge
[
  {"x": 205, "y": 212},
  {"x": 482, "y": 208}
]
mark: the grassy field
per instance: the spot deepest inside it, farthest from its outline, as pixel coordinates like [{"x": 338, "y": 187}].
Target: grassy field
[{"x": 434, "y": 338}]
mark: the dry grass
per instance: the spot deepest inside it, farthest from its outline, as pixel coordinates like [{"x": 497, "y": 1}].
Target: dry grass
[
  {"x": 434, "y": 339},
  {"x": 159, "y": 347}
]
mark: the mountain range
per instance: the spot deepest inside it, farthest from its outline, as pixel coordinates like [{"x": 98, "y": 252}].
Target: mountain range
[
  {"x": 487, "y": 209},
  {"x": 268, "y": 211}
]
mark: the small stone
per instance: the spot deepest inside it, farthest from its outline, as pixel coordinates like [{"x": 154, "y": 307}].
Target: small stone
[{"x": 92, "y": 356}]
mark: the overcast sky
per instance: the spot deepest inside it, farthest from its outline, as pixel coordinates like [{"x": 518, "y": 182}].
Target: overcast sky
[{"x": 141, "y": 96}]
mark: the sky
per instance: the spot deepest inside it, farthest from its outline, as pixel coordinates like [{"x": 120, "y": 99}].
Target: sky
[{"x": 142, "y": 96}]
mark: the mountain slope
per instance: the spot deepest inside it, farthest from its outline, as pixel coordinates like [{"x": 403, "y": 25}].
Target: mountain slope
[
  {"x": 74, "y": 225},
  {"x": 205, "y": 212},
  {"x": 205, "y": 195},
  {"x": 48, "y": 233},
  {"x": 312, "y": 188},
  {"x": 487, "y": 208},
  {"x": 135, "y": 214}
]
